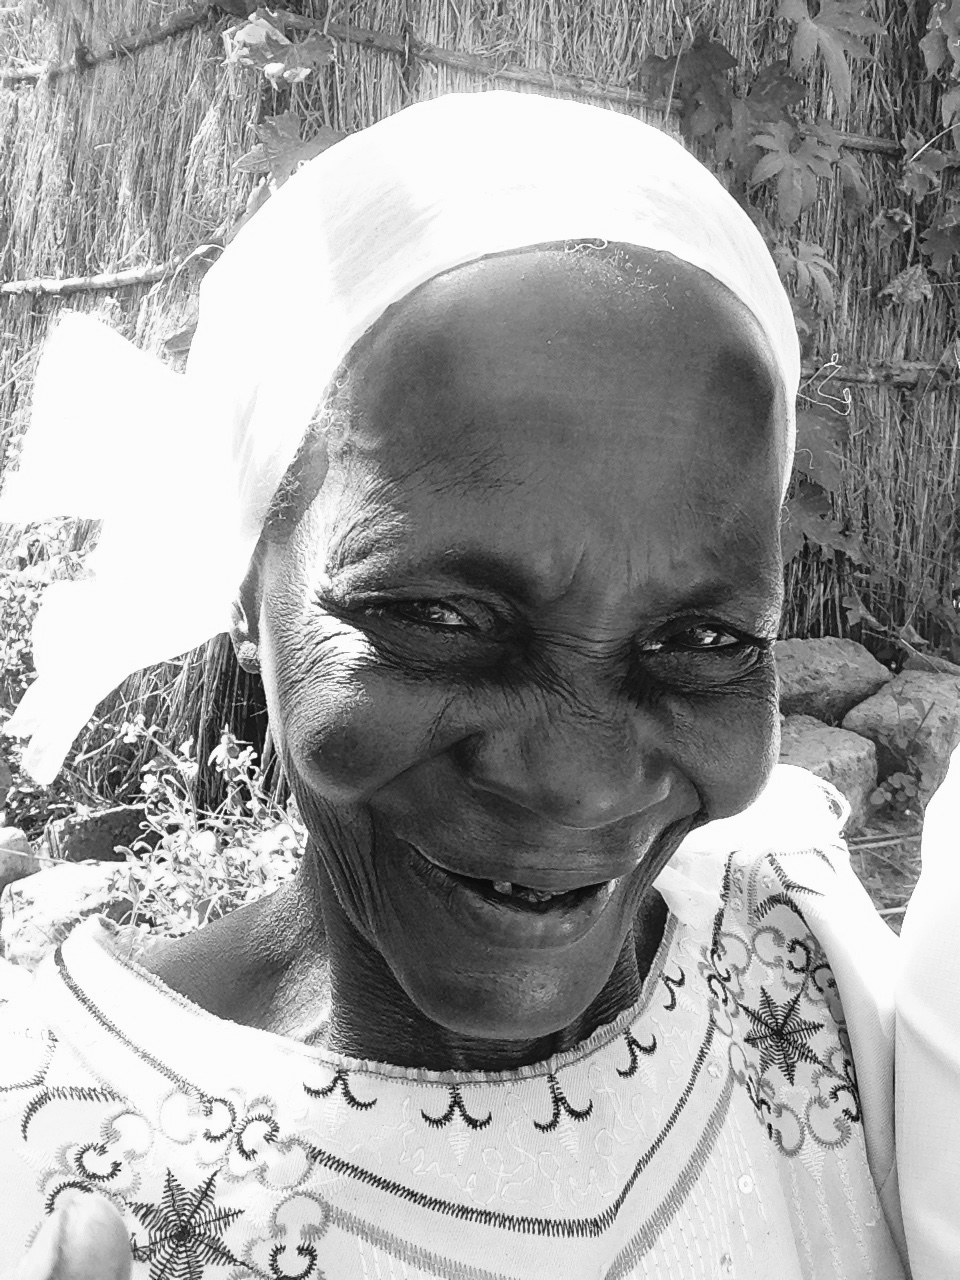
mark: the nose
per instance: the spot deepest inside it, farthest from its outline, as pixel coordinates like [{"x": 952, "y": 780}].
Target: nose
[{"x": 577, "y": 768}]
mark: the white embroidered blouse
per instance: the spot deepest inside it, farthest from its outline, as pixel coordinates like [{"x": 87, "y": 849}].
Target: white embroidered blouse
[{"x": 737, "y": 1122}]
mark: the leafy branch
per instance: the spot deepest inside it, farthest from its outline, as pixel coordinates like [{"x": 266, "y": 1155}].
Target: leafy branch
[{"x": 835, "y": 34}]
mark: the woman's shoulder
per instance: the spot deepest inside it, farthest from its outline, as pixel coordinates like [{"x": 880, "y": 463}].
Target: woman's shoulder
[{"x": 800, "y": 967}]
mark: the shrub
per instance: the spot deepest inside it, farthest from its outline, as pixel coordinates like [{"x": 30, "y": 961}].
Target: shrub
[{"x": 205, "y": 864}]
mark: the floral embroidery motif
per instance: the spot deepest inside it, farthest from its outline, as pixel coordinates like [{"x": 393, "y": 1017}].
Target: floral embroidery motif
[
  {"x": 258, "y": 1129},
  {"x": 455, "y": 1108},
  {"x": 270, "y": 1185},
  {"x": 788, "y": 885},
  {"x": 341, "y": 1082},
  {"x": 781, "y": 1035},
  {"x": 560, "y": 1104},
  {"x": 673, "y": 985},
  {"x": 184, "y": 1232},
  {"x": 775, "y": 999},
  {"x": 636, "y": 1049}
]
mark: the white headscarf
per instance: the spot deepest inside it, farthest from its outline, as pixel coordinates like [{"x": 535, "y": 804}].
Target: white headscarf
[{"x": 181, "y": 469}]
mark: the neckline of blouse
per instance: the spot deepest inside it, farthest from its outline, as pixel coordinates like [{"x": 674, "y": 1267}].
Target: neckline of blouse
[{"x": 97, "y": 948}]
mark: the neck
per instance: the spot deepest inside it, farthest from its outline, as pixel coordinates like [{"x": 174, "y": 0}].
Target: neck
[
  {"x": 373, "y": 1018},
  {"x": 293, "y": 964}
]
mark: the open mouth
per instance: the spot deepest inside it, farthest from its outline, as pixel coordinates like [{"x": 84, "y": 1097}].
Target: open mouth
[
  {"x": 502, "y": 912},
  {"x": 520, "y": 897}
]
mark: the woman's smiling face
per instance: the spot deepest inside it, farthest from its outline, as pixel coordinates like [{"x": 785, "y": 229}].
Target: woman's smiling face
[{"x": 518, "y": 644}]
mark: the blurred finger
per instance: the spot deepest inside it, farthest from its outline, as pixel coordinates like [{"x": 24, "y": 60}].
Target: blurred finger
[{"x": 84, "y": 1239}]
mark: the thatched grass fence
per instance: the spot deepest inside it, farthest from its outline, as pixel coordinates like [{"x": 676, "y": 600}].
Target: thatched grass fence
[{"x": 120, "y": 130}]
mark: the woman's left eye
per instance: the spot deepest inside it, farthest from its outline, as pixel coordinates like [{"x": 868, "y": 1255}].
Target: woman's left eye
[{"x": 698, "y": 639}]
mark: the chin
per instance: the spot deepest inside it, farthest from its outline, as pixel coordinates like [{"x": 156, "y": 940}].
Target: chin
[{"x": 515, "y": 1006}]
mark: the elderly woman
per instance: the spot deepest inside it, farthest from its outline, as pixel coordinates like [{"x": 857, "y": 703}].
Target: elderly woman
[{"x": 571, "y": 980}]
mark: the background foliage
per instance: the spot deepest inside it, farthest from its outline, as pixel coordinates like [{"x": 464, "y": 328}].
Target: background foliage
[{"x": 835, "y": 122}]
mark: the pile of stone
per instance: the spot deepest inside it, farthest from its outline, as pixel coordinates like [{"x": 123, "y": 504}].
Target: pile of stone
[{"x": 847, "y": 719}]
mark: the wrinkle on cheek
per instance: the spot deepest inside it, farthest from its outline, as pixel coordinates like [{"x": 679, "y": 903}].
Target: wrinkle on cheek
[
  {"x": 730, "y": 754},
  {"x": 349, "y": 728}
]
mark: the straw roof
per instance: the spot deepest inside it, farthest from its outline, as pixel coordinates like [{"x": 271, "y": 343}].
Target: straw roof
[{"x": 130, "y": 164}]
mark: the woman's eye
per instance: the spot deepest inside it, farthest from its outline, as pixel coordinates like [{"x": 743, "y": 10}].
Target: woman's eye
[
  {"x": 435, "y": 613},
  {"x": 438, "y": 615},
  {"x": 698, "y": 639}
]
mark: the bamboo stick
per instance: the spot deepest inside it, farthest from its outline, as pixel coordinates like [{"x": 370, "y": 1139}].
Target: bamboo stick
[
  {"x": 87, "y": 284},
  {"x": 401, "y": 46},
  {"x": 907, "y": 374},
  {"x": 183, "y": 20}
]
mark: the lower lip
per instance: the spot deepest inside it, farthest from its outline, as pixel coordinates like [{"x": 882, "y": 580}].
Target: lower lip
[{"x": 512, "y": 924}]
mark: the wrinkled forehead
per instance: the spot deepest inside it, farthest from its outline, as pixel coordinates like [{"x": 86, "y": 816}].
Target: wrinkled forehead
[
  {"x": 619, "y": 423},
  {"x": 555, "y": 349}
]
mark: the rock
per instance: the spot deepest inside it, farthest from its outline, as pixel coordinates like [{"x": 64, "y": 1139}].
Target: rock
[
  {"x": 17, "y": 859},
  {"x": 14, "y": 839},
  {"x": 36, "y": 914},
  {"x": 825, "y": 678},
  {"x": 915, "y": 722},
  {"x": 921, "y": 662},
  {"x": 96, "y": 835},
  {"x": 837, "y": 756}
]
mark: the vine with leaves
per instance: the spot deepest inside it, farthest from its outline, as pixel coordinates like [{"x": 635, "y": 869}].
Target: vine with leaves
[{"x": 759, "y": 135}]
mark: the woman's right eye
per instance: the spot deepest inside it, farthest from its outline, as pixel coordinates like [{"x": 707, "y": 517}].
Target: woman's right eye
[
  {"x": 434, "y": 613},
  {"x": 466, "y": 616}
]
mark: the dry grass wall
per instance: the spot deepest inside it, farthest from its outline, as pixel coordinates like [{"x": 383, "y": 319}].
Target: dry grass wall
[{"x": 130, "y": 164}]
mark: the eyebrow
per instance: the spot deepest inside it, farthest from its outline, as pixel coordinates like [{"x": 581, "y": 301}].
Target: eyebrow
[
  {"x": 481, "y": 570},
  {"x": 469, "y": 568}
]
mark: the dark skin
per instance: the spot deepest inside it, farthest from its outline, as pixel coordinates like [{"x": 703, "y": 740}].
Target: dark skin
[{"x": 519, "y": 637}]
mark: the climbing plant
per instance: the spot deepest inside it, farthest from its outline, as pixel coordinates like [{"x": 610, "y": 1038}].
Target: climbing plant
[{"x": 759, "y": 138}]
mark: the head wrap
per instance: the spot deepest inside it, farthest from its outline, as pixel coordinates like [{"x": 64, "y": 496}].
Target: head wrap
[{"x": 182, "y": 468}]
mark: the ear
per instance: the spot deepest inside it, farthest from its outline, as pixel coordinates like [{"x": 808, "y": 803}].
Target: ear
[{"x": 245, "y": 624}]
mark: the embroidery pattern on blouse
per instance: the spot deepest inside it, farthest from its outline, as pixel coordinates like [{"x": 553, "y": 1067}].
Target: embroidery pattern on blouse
[
  {"x": 761, "y": 991},
  {"x": 774, "y": 999}
]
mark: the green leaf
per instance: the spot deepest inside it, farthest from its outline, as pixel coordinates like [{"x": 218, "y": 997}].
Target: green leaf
[
  {"x": 847, "y": 19},
  {"x": 857, "y": 612},
  {"x": 814, "y": 274},
  {"x": 261, "y": 43},
  {"x": 891, "y": 225},
  {"x": 939, "y": 243},
  {"x": 700, "y": 77},
  {"x": 922, "y": 169},
  {"x": 254, "y": 42},
  {"x": 810, "y": 271},
  {"x": 809, "y": 510},
  {"x": 282, "y": 150},
  {"x": 791, "y": 537},
  {"x": 855, "y": 191},
  {"x": 941, "y": 44},
  {"x": 797, "y": 159},
  {"x": 950, "y": 113},
  {"x": 835, "y": 32},
  {"x": 909, "y": 286},
  {"x": 774, "y": 95}
]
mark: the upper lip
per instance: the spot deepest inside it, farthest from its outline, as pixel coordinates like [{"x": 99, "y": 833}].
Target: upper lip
[{"x": 544, "y": 880}]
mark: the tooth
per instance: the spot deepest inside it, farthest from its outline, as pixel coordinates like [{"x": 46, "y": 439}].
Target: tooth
[{"x": 503, "y": 886}]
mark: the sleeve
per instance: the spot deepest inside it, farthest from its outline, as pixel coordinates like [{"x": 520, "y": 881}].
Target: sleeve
[
  {"x": 863, "y": 954},
  {"x": 928, "y": 1045}
]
